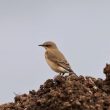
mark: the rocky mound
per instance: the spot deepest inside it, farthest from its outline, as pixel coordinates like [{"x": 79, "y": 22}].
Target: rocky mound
[{"x": 66, "y": 93}]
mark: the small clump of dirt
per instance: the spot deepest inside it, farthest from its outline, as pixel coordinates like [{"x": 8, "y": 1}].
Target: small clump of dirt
[{"x": 66, "y": 93}]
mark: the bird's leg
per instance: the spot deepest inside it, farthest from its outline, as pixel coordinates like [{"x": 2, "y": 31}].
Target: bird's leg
[{"x": 63, "y": 74}]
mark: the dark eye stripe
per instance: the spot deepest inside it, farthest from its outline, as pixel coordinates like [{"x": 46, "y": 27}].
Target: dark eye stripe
[{"x": 47, "y": 45}]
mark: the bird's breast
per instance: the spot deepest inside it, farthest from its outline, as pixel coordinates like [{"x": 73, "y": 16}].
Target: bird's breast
[{"x": 53, "y": 65}]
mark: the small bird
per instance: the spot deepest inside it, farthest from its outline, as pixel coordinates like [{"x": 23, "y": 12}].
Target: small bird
[{"x": 56, "y": 59}]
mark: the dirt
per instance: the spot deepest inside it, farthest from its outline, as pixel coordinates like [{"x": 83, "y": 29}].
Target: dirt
[{"x": 66, "y": 93}]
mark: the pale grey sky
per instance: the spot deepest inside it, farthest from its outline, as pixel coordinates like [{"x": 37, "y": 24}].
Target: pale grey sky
[{"x": 80, "y": 28}]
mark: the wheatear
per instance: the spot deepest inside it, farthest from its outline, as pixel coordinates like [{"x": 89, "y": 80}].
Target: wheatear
[{"x": 56, "y": 59}]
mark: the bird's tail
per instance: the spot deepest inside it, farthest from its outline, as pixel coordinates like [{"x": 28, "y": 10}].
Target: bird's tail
[{"x": 72, "y": 72}]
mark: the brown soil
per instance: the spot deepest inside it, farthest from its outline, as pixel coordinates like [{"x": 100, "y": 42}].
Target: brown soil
[{"x": 66, "y": 93}]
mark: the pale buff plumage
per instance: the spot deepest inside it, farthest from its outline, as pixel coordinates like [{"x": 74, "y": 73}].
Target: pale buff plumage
[{"x": 55, "y": 58}]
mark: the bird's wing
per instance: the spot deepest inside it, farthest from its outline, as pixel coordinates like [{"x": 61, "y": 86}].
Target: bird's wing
[
  {"x": 65, "y": 65},
  {"x": 59, "y": 59}
]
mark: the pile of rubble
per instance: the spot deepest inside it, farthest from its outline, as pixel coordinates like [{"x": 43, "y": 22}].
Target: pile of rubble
[{"x": 66, "y": 93}]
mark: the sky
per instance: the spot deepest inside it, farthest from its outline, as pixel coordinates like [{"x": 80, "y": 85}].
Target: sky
[{"x": 81, "y": 30}]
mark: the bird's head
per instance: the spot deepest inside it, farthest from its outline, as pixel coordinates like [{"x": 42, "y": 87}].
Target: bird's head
[{"x": 49, "y": 45}]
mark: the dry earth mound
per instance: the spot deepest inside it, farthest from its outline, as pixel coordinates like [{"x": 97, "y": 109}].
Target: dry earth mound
[{"x": 66, "y": 93}]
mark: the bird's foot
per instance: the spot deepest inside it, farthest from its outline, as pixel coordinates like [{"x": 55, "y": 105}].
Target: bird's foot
[{"x": 61, "y": 74}]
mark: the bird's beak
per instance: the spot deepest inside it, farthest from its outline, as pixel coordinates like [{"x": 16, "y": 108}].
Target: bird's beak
[{"x": 41, "y": 45}]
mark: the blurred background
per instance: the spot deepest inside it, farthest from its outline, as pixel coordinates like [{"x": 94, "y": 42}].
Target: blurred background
[{"x": 81, "y": 29}]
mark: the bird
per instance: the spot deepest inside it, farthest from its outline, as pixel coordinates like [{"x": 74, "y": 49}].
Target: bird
[{"x": 55, "y": 59}]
